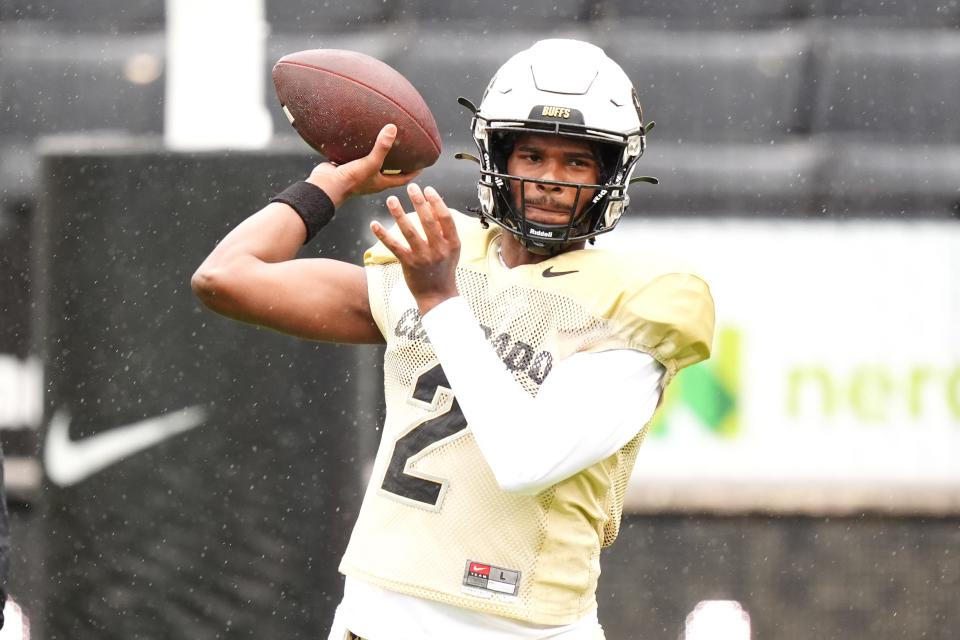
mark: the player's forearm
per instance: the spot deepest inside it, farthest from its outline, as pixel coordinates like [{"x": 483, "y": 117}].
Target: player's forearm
[
  {"x": 493, "y": 403},
  {"x": 531, "y": 443},
  {"x": 273, "y": 234}
]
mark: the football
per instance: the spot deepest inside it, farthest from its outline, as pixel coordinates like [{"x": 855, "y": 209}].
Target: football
[{"x": 339, "y": 100}]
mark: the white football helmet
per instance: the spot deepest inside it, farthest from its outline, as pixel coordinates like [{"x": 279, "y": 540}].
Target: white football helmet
[{"x": 567, "y": 88}]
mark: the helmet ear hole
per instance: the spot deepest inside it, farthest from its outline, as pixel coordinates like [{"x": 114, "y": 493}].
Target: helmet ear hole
[
  {"x": 608, "y": 156},
  {"x": 501, "y": 146}
]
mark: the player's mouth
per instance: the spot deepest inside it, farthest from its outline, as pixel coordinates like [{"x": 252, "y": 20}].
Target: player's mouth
[{"x": 546, "y": 214}]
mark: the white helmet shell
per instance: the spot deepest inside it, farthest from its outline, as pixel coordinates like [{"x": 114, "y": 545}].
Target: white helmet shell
[{"x": 585, "y": 79}]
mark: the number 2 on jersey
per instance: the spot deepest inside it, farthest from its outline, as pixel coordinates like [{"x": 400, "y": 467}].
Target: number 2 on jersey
[{"x": 397, "y": 481}]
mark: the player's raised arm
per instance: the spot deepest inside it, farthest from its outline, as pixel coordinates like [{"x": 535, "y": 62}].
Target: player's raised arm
[{"x": 253, "y": 276}]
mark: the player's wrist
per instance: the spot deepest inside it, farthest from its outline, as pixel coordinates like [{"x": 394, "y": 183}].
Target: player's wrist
[
  {"x": 314, "y": 206},
  {"x": 324, "y": 178}
]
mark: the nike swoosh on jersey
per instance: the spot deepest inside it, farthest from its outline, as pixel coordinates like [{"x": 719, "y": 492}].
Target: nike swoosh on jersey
[
  {"x": 550, "y": 273},
  {"x": 68, "y": 462}
]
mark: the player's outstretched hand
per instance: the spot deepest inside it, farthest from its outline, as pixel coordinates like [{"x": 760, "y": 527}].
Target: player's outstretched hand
[
  {"x": 361, "y": 176},
  {"x": 429, "y": 259}
]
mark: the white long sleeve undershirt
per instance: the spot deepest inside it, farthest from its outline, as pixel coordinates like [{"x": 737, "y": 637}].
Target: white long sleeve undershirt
[{"x": 589, "y": 406}]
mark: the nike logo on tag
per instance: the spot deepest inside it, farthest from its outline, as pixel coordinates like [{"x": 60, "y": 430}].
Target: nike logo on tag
[
  {"x": 67, "y": 461},
  {"x": 550, "y": 273}
]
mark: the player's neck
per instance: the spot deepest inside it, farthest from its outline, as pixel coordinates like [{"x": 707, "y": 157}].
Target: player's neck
[{"x": 513, "y": 254}]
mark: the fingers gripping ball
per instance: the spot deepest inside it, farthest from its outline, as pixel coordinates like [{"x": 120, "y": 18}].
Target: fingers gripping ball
[{"x": 339, "y": 100}]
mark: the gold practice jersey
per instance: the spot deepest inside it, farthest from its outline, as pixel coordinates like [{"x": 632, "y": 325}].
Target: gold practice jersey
[{"x": 434, "y": 522}]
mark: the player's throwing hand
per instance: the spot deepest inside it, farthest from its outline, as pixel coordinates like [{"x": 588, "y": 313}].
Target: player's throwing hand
[
  {"x": 361, "y": 176},
  {"x": 429, "y": 259}
]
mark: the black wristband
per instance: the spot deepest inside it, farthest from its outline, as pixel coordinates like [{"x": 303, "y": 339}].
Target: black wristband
[{"x": 311, "y": 203}]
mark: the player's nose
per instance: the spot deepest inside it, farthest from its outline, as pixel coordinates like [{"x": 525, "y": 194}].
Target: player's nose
[{"x": 551, "y": 171}]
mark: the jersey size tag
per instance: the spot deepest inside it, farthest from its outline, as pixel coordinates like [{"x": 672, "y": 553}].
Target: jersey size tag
[{"x": 487, "y": 581}]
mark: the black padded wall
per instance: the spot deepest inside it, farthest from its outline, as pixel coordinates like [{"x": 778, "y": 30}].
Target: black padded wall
[{"x": 229, "y": 529}]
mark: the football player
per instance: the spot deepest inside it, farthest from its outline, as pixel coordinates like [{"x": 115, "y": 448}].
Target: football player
[{"x": 521, "y": 366}]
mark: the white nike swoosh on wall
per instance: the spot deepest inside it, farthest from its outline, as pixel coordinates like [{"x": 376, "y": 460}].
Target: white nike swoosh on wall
[{"x": 69, "y": 461}]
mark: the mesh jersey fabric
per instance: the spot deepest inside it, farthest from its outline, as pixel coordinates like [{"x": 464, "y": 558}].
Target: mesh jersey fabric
[{"x": 433, "y": 511}]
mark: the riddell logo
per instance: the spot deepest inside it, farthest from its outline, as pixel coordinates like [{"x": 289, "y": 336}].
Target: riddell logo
[{"x": 542, "y": 234}]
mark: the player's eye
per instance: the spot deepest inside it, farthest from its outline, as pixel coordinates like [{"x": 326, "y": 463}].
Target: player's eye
[{"x": 581, "y": 165}]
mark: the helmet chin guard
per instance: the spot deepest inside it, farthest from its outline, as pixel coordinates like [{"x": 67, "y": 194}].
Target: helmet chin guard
[{"x": 566, "y": 88}]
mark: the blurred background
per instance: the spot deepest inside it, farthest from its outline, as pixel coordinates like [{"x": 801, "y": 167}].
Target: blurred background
[{"x": 806, "y": 478}]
